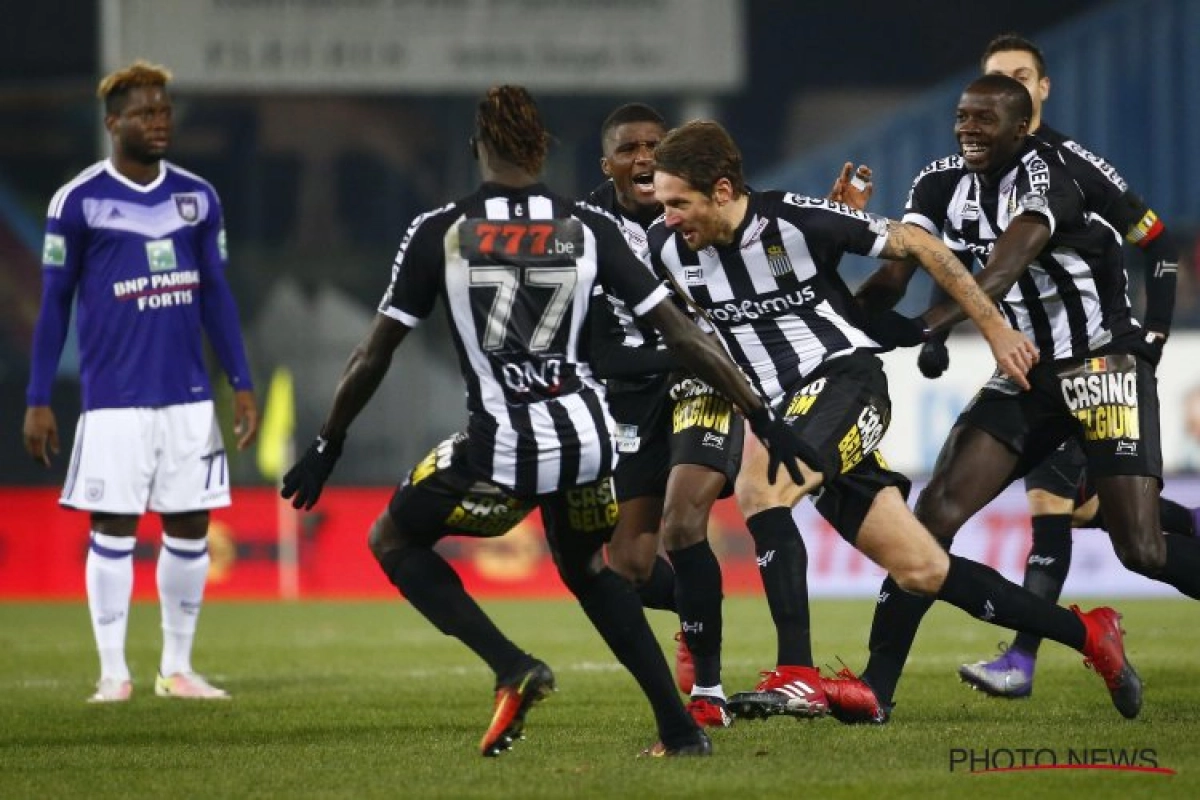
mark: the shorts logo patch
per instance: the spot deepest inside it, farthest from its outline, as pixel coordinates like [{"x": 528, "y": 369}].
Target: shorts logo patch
[
  {"x": 713, "y": 440},
  {"x": 627, "y": 438},
  {"x": 1127, "y": 448},
  {"x": 708, "y": 411},
  {"x": 93, "y": 490}
]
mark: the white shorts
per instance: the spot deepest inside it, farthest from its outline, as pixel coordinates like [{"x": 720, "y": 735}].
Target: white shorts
[{"x": 130, "y": 460}]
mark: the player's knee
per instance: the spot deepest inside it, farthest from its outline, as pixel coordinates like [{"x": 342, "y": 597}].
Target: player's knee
[
  {"x": 384, "y": 537},
  {"x": 940, "y": 513},
  {"x": 923, "y": 577},
  {"x": 1146, "y": 556},
  {"x": 631, "y": 564}
]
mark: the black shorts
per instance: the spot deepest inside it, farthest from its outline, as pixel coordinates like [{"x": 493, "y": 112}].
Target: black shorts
[
  {"x": 1063, "y": 474},
  {"x": 1109, "y": 403},
  {"x": 692, "y": 424},
  {"x": 842, "y": 413},
  {"x": 442, "y": 496}
]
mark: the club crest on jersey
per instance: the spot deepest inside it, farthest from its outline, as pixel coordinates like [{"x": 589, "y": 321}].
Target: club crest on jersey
[
  {"x": 778, "y": 261},
  {"x": 187, "y": 206}
]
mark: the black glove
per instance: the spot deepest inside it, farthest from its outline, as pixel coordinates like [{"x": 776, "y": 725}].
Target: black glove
[
  {"x": 782, "y": 443},
  {"x": 892, "y": 329},
  {"x": 1149, "y": 345},
  {"x": 303, "y": 482},
  {"x": 934, "y": 358}
]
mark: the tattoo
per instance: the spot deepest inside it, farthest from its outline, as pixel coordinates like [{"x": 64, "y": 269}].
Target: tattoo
[{"x": 906, "y": 241}]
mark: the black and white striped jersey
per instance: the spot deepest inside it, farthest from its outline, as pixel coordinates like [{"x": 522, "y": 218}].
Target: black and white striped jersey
[
  {"x": 774, "y": 294},
  {"x": 515, "y": 268},
  {"x": 615, "y": 328},
  {"x": 1073, "y": 298}
]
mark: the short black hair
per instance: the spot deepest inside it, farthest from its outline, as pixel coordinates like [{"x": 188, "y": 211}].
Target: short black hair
[
  {"x": 630, "y": 112},
  {"x": 1006, "y": 42},
  {"x": 1014, "y": 93}
]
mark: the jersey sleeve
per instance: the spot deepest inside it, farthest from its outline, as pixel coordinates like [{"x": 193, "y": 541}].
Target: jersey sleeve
[
  {"x": 629, "y": 277},
  {"x": 417, "y": 273},
  {"x": 62, "y": 262},
  {"x": 928, "y": 199},
  {"x": 218, "y": 309},
  {"x": 1046, "y": 188},
  {"x": 835, "y": 228}
]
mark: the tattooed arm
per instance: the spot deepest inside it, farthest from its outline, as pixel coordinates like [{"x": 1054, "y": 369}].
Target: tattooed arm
[{"x": 1014, "y": 353}]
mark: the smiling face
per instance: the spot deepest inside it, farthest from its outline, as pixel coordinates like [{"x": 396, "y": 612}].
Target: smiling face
[
  {"x": 141, "y": 130},
  {"x": 697, "y": 217},
  {"x": 989, "y": 129},
  {"x": 629, "y": 161}
]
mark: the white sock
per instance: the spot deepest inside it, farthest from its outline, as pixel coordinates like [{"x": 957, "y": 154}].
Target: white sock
[
  {"x": 109, "y": 577},
  {"x": 709, "y": 691},
  {"x": 182, "y": 573}
]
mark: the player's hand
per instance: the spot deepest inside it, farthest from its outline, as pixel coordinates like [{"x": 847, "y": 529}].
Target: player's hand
[
  {"x": 853, "y": 186},
  {"x": 304, "y": 481},
  {"x": 41, "y": 433},
  {"x": 782, "y": 443},
  {"x": 245, "y": 418},
  {"x": 891, "y": 329},
  {"x": 934, "y": 358},
  {"x": 1149, "y": 346},
  {"x": 1015, "y": 354}
]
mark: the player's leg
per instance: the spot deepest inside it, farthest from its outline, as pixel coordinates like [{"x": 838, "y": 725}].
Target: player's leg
[
  {"x": 640, "y": 482},
  {"x": 706, "y": 450},
  {"x": 190, "y": 478},
  {"x": 840, "y": 418},
  {"x": 614, "y": 609},
  {"x": 1124, "y": 453},
  {"x": 1051, "y": 489},
  {"x": 109, "y": 476},
  {"x": 893, "y": 538}
]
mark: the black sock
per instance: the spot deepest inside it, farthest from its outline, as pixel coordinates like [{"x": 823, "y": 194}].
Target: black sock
[
  {"x": 1176, "y": 518},
  {"x": 897, "y": 617},
  {"x": 434, "y": 589},
  {"x": 612, "y": 605},
  {"x": 659, "y": 589},
  {"x": 1182, "y": 568},
  {"x": 783, "y": 565},
  {"x": 698, "y": 596},
  {"x": 985, "y": 594},
  {"x": 1047, "y": 566}
]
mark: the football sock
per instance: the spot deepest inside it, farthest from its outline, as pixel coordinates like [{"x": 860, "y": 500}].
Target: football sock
[
  {"x": 897, "y": 617},
  {"x": 985, "y": 594},
  {"x": 1047, "y": 566},
  {"x": 181, "y": 574},
  {"x": 1176, "y": 518},
  {"x": 698, "y": 597},
  {"x": 659, "y": 589},
  {"x": 1182, "y": 567},
  {"x": 109, "y": 577},
  {"x": 616, "y": 612},
  {"x": 783, "y": 565},
  {"x": 434, "y": 589}
]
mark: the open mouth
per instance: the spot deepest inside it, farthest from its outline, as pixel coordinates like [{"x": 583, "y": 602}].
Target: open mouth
[
  {"x": 644, "y": 181},
  {"x": 973, "y": 151}
]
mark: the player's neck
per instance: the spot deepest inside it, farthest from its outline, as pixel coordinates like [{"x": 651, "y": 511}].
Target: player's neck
[{"x": 136, "y": 171}]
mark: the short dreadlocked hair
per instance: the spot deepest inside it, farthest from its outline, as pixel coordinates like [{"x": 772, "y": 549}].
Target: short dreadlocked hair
[
  {"x": 508, "y": 118},
  {"x": 115, "y": 86}
]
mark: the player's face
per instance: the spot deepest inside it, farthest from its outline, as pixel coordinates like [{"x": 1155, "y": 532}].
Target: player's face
[
  {"x": 1021, "y": 67},
  {"x": 989, "y": 133},
  {"x": 629, "y": 161},
  {"x": 142, "y": 130},
  {"x": 695, "y": 215}
]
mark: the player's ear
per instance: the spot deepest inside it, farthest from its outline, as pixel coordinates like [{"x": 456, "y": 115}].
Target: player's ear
[{"x": 604, "y": 167}]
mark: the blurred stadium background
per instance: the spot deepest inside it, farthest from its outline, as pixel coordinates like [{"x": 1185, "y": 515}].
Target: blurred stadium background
[{"x": 326, "y": 125}]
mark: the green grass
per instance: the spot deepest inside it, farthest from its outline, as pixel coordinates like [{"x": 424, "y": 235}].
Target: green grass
[{"x": 368, "y": 700}]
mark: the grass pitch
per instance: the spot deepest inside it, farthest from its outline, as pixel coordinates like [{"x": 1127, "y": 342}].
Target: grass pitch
[{"x": 362, "y": 700}]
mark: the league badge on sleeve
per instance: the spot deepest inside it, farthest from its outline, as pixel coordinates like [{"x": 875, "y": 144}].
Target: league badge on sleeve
[{"x": 54, "y": 250}]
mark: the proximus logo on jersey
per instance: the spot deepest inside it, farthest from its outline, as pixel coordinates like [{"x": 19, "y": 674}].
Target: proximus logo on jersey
[{"x": 768, "y": 307}]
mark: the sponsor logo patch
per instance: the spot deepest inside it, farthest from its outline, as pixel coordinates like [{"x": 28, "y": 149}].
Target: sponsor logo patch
[{"x": 54, "y": 250}]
